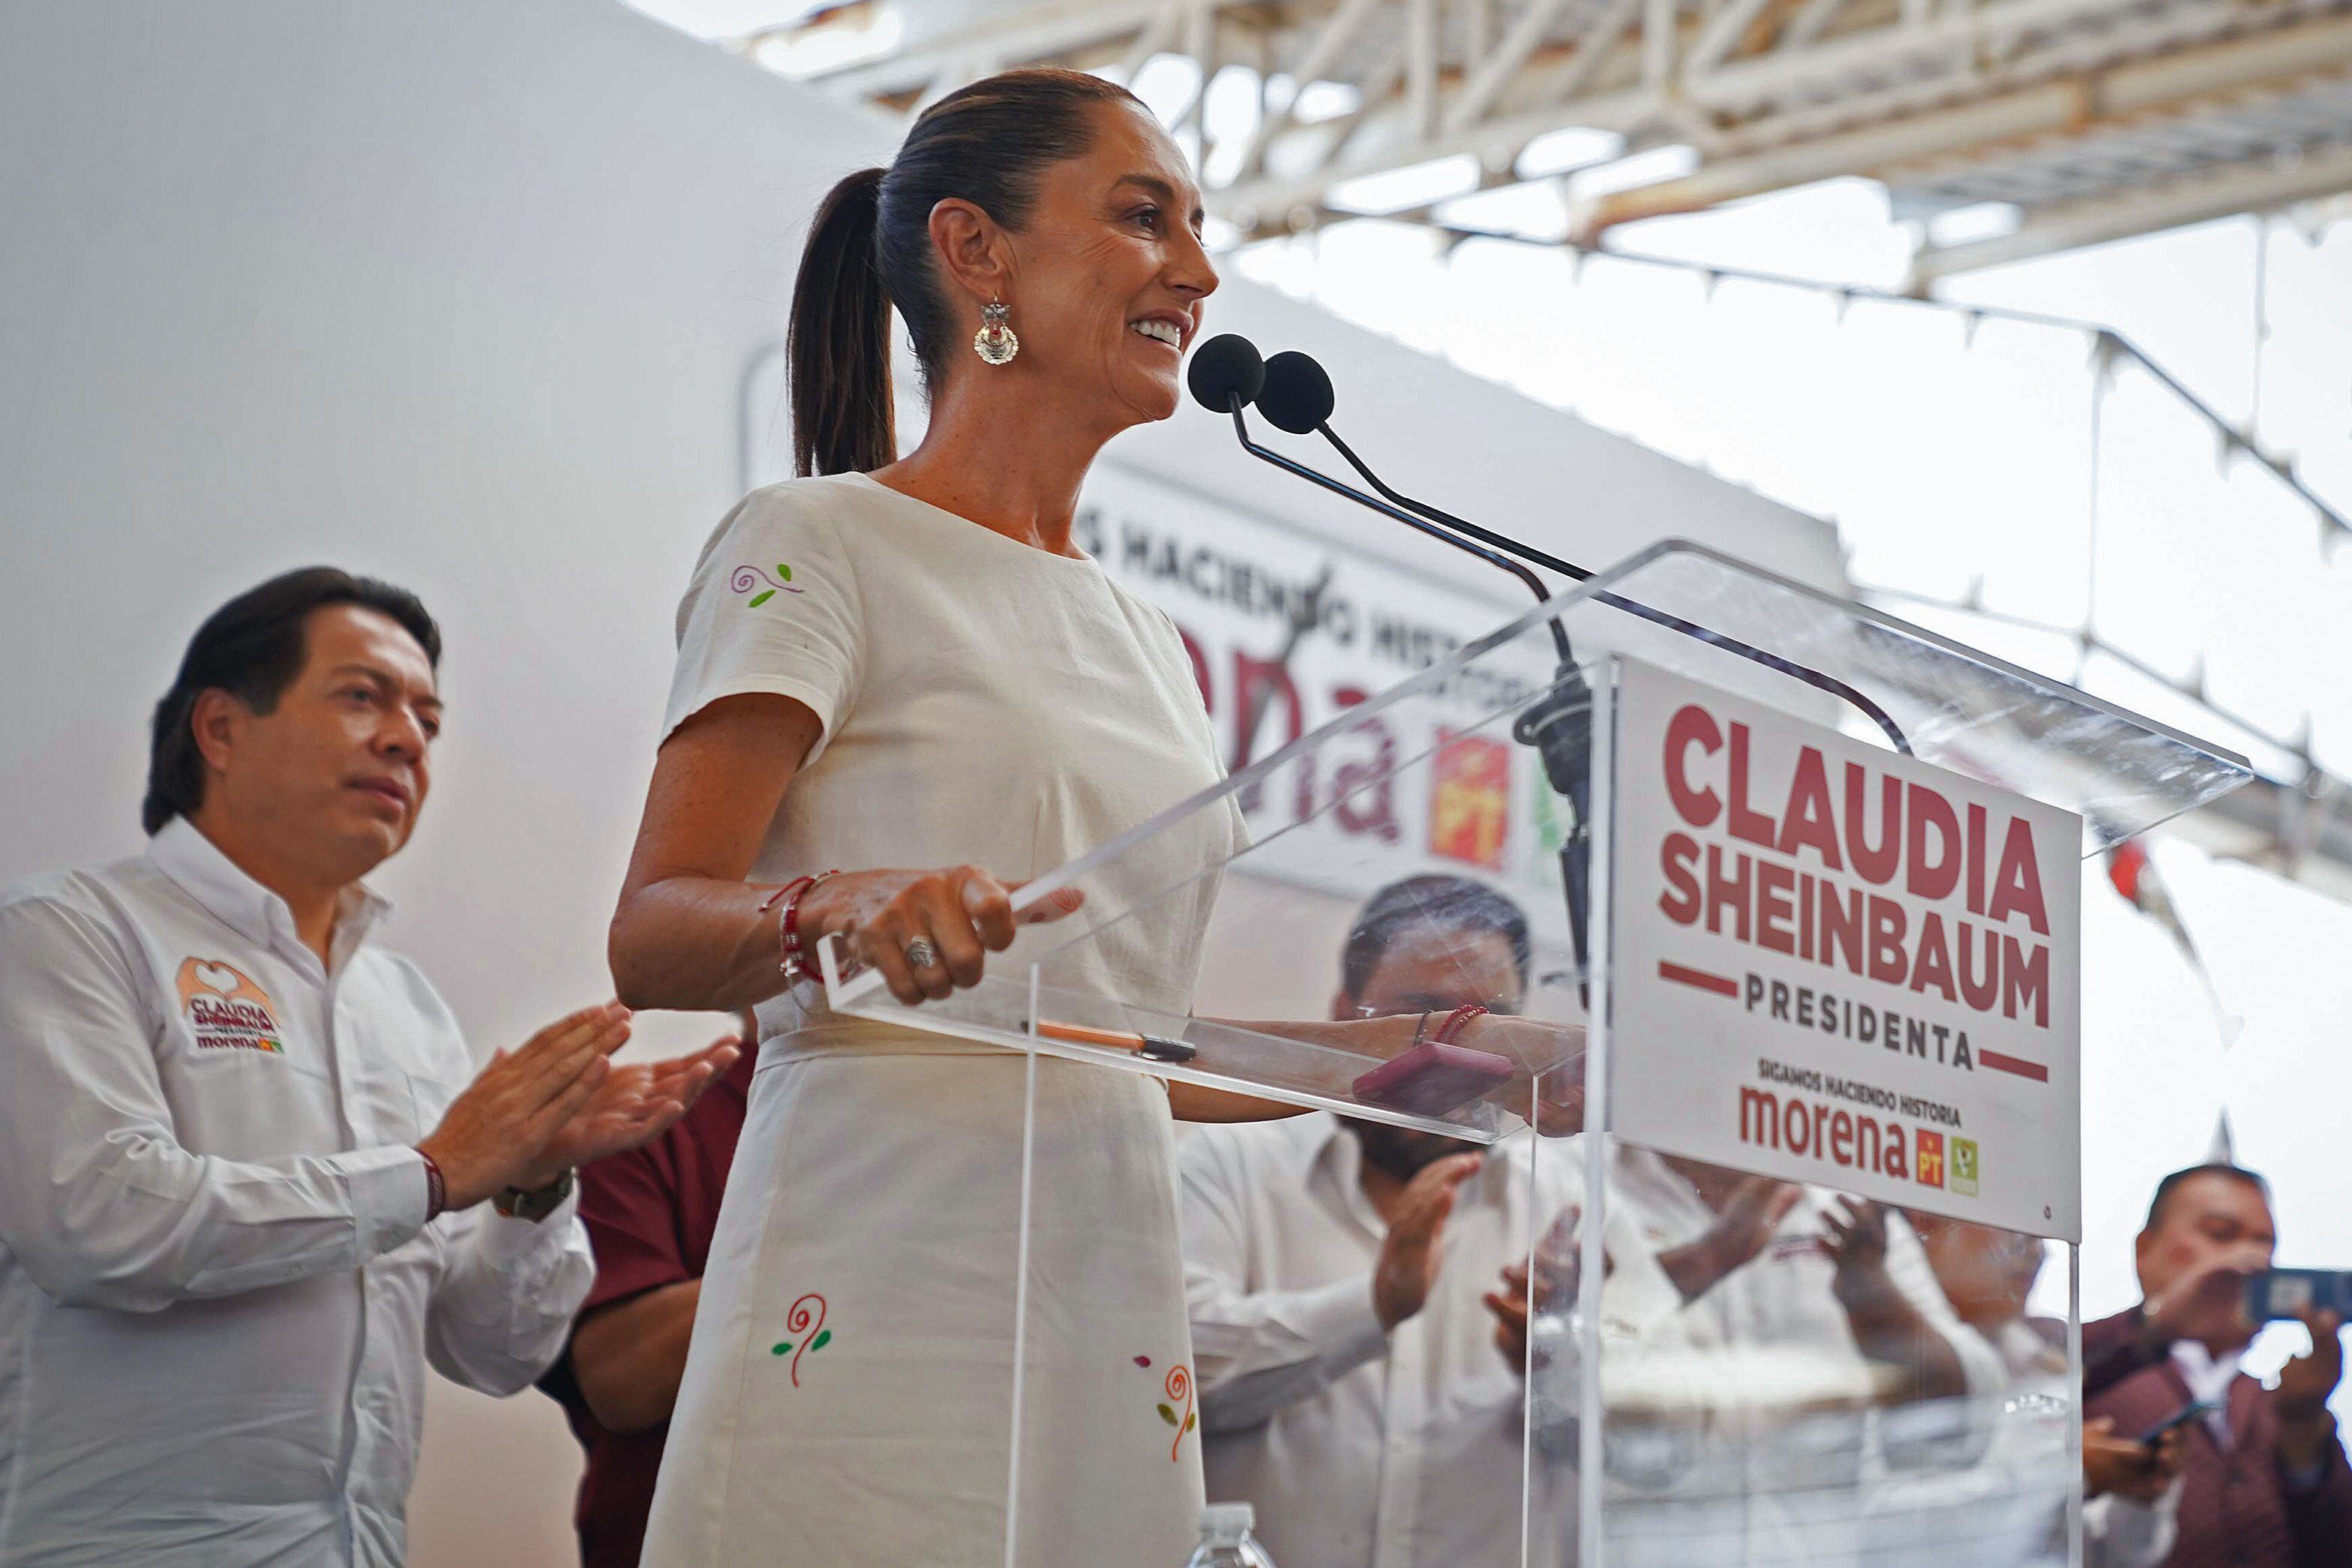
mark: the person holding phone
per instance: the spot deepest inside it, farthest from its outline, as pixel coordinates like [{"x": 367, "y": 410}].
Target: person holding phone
[{"x": 2265, "y": 1483}]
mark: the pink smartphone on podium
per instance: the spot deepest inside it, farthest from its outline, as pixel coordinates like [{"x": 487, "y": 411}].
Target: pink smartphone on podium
[{"x": 1432, "y": 1078}]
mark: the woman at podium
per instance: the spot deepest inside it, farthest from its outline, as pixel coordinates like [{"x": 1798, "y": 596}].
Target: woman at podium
[{"x": 907, "y": 663}]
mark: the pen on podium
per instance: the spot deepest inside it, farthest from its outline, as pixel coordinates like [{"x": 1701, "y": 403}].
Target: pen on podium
[{"x": 1150, "y": 1047}]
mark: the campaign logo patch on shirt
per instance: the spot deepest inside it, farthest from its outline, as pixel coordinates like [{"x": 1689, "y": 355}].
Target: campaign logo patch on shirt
[{"x": 227, "y": 1011}]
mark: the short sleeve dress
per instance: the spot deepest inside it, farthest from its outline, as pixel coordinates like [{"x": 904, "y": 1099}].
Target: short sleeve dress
[{"x": 848, "y": 1399}]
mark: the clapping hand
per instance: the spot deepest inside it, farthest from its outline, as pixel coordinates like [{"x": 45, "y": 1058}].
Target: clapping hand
[
  {"x": 632, "y": 1105},
  {"x": 557, "y": 1101},
  {"x": 1555, "y": 1278},
  {"x": 1856, "y": 1244},
  {"x": 1415, "y": 1245}
]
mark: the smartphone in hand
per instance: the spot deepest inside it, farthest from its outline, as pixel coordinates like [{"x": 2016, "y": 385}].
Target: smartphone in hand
[
  {"x": 2193, "y": 1410},
  {"x": 1432, "y": 1078},
  {"x": 2278, "y": 1294}
]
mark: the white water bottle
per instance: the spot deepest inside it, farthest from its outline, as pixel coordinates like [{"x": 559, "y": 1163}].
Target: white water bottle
[{"x": 1226, "y": 1541}]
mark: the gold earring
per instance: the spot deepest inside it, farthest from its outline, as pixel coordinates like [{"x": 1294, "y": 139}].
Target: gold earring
[{"x": 994, "y": 342}]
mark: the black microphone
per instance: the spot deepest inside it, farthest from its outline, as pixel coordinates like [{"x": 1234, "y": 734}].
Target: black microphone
[{"x": 1225, "y": 368}]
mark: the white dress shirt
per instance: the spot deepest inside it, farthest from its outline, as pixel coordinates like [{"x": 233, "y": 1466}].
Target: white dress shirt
[
  {"x": 1361, "y": 1447},
  {"x": 218, "y": 1289}
]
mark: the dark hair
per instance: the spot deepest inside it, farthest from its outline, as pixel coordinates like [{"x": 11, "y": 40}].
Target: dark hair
[
  {"x": 2164, "y": 1188},
  {"x": 870, "y": 248},
  {"x": 1451, "y": 903},
  {"x": 251, "y": 648}
]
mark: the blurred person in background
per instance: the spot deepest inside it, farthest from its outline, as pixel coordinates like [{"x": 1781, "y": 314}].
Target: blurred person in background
[
  {"x": 1806, "y": 1347},
  {"x": 650, "y": 1213},
  {"x": 1334, "y": 1269},
  {"x": 251, "y": 1183},
  {"x": 2265, "y": 1484},
  {"x": 2010, "y": 1507}
]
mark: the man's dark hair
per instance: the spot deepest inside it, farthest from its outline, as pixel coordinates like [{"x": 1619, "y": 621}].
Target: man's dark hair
[
  {"x": 1451, "y": 903},
  {"x": 2164, "y": 1189},
  {"x": 251, "y": 648}
]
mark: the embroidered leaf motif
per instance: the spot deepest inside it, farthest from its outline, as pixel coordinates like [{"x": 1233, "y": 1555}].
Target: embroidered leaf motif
[
  {"x": 1188, "y": 1419},
  {"x": 784, "y": 1348},
  {"x": 784, "y": 571},
  {"x": 1167, "y": 1415},
  {"x": 762, "y": 597},
  {"x": 823, "y": 1335}
]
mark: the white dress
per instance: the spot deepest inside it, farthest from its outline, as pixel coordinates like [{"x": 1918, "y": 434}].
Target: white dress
[{"x": 848, "y": 1396}]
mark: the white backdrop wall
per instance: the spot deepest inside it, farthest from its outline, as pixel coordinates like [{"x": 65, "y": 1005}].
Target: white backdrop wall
[{"x": 476, "y": 297}]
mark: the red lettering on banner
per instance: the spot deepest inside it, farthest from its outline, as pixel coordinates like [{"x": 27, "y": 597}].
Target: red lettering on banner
[
  {"x": 1980, "y": 992},
  {"x": 1873, "y": 863},
  {"x": 1887, "y": 962},
  {"x": 1977, "y": 832},
  {"x": 2017, "y": 885},
  {"x": 1855, "y": 1140},
  {"x": 1933, "y": 966},
  {"x": 1930, "y": 875},
  {"x": 1773, "y": 909},
  {"x": 1680, "y": 903},
  {"x": 1746, "y": 822},
  {"x": 1810, "y": 819},
  {"x": 2025, "y": 979},
  {"x": 1691, "y": 725}
]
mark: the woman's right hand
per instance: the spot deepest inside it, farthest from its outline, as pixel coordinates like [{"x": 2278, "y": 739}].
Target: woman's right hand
[{"x": 962, "y": 912}]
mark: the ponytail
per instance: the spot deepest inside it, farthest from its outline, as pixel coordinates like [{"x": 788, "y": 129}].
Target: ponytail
[
  {"x": 838, "y": 344},
  {"x": 870, "y": 248}
]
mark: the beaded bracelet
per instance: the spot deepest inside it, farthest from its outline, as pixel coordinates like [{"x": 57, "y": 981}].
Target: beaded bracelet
[
  {"x": 1455, "y": 1022},
  {"x": 791, "y": 960}
]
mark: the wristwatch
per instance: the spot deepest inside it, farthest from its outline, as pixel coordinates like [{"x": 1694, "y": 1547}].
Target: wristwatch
[{"x": 517, "y": 1204}]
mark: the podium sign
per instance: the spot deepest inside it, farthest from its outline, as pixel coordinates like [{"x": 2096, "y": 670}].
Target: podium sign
[{"x": 1837, "y": 965}]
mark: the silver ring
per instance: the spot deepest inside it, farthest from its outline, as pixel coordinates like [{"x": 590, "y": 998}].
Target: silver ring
[{"x": 921, "y": 954}]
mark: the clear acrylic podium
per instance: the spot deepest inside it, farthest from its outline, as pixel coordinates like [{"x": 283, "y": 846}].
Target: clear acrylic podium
[{"x": 1703, "y": 1381}]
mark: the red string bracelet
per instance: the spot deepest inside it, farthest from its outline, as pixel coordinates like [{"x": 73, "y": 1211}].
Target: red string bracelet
[{"x": 1455, "y": 1022}]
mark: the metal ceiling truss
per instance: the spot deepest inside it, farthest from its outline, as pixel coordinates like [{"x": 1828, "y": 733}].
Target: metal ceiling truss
[{"x": 2095, "y": 119}]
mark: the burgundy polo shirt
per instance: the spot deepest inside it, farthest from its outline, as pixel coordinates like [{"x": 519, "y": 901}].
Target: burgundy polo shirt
[
  {"x": 650, "y": 1215},
  {"x": 2238, "y": 1508}
]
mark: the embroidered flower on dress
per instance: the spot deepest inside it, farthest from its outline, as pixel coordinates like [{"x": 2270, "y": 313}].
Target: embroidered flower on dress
[
  {"x": 810, "y": 1325},
  {"x": 1178, "y": 1386}
]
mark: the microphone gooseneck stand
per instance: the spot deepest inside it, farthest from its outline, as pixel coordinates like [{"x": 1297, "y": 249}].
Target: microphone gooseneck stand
[
  {"x": 1294, "y": 393},
  {"x": 1300, "y": 388}
]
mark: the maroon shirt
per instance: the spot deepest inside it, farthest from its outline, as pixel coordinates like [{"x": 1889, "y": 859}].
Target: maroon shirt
[
  {"x": 2237, "y": 1507},
  {"x": 650, "y": 1215}
]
